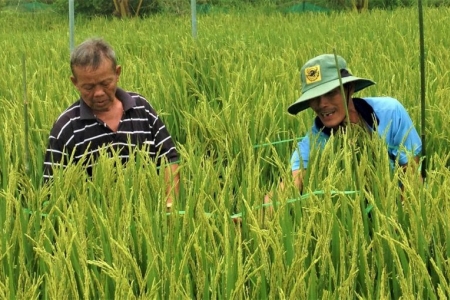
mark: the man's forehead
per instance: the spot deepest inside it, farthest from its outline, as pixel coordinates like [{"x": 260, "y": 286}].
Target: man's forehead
[
  {"x": 93, "y": 67},
  {"x": 94, "y": 72}
]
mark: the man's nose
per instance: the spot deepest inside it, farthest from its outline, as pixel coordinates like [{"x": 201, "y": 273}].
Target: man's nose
[
  {"x": 322, "y": 101},
  {"x": 98, "y": 91}
]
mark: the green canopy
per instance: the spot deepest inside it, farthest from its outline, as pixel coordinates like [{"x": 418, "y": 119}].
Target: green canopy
[
  {"x": 302, "y": 7},
  {"x": 30, "y": 7}
]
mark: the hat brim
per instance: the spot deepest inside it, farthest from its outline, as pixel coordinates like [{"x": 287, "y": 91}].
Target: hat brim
[{"x": 302, "y": 103}]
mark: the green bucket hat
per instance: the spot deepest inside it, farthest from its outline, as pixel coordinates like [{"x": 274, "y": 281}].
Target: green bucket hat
[{"x": 320, "y": 75}]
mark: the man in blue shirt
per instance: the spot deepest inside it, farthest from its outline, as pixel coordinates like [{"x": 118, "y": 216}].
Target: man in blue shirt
[{"x": 321, "y": 91}]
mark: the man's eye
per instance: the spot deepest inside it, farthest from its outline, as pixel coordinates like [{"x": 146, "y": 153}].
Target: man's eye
[{"x": 333, "y": 92}]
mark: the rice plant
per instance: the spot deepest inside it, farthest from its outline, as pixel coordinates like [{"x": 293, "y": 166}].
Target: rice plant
[{"x": 353, "y": 233}]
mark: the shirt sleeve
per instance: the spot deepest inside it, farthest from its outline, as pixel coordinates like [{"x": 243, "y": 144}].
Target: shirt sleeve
[
  {"x": 300, "y": 157},
  {"x": 405, "y": 139},
  {"x": 55, "y": 156},
  {"x": 164, "y": 144}
]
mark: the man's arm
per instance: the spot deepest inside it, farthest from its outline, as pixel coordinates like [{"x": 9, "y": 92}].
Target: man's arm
[
  {"x": 166, "y": 153},
  {"x": 299, "y": 162},
  {"x": 55, "y": 157},
  {"x": 416, "y": 159},
  {"x": 297, "y": 176},
  {"x": 172, "y": 180},
  {"x": 416, "y": 162},
  {"x": 419, "y": 174},
  {"x": 298, "y": 179}
]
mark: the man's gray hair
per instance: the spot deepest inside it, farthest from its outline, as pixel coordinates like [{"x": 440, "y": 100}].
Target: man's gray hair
[{"x": 91, "y": 53}]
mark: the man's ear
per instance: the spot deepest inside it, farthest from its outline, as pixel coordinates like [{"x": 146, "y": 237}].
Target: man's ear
[
  {"x": 118, "y": 70},
  {"x": 74, "y": 80}
]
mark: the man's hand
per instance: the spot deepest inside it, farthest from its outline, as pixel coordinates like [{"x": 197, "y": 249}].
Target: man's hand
[
  {"x": 169, "y": 205},
  {"x": 268, "y": 200}
]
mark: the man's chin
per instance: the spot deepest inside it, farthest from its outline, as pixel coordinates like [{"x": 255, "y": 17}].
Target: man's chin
[
  {"x": 103, "y": 106},
  {"x": 330, "y": 124}
]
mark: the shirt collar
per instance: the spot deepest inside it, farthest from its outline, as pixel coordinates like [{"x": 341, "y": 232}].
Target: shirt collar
[
  {"x": 362, "y": 107},
  {"x": 128, "y": 102}
]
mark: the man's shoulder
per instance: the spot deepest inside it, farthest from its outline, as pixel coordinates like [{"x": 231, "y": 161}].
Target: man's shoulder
[
  {"x": 71, "y": 114},
  {"x": 142, "y": 104},
  {"x": 139, "y": 98},
  {"x": 388, "y": 110},
  {"x": 383, "y": 103}
]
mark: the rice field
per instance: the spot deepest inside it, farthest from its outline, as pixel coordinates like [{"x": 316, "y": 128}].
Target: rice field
[{"x": 224, "y": 98}]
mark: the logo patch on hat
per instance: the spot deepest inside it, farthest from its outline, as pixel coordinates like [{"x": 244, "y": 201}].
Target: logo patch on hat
[{"x": 313, "y": 74}]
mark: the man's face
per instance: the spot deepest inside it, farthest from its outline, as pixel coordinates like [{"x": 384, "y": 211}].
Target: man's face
[
  {"x": 97, "y": 87},
  {"x": 330, "y": 108}
]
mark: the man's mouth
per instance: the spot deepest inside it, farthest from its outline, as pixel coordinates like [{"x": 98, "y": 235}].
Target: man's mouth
[{"x": 326, "y": 114}]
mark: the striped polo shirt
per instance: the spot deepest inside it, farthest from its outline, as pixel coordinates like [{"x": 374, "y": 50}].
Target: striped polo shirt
[{"x": 78, "y": 132}]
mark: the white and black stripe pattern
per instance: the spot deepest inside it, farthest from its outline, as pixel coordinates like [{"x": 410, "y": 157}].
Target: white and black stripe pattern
[{"x": 79, "y": 133}]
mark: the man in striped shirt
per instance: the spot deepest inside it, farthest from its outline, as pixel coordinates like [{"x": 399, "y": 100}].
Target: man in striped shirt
[{"x": 107, "y": 118}]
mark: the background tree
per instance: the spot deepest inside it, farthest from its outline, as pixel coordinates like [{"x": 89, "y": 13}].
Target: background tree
[
  {"x": 123, "y": 8},
  {"x": 118, "y": 8},
  {"x": 133, "y": 8},
  {"x": 360, "y": 5}
]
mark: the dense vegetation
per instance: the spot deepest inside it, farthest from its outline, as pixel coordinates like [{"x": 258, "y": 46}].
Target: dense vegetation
[
  {"x": 146, "y": 7},
  {"x": 224, "y": 96}
]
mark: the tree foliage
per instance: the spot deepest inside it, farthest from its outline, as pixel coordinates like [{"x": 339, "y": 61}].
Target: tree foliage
[
  {"x": 123, "y": 8},
  {"x": 133, "y": 8},
  {"x": 119, "y": 8}
]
